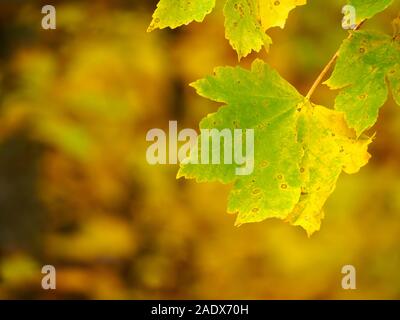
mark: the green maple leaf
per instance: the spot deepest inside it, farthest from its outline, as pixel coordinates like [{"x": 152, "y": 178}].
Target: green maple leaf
[
  {"x": 300, "y": 149},
  {"x": 175, "y": 13},
  {"x": 368, "y": 62},
  {"x": 366, "y": 9},
  {"x": 246, "y": 21}
]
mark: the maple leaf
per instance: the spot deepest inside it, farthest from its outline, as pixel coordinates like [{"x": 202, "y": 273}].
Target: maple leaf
[
  {"x": 246, "y": 21},
  {"x": 366, "y": 61},
  {"x": 300, "y": 149},
  {"x": 366, "y": 9},
  {"x": 175, "y": 13}
]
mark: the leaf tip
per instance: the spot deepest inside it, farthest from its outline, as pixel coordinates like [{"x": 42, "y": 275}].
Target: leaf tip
[{"x": 180, "y": 174}]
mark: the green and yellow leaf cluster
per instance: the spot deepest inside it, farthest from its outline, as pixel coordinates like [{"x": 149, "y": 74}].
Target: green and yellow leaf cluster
[
  {"x": 300, "y": 148},
  {"x": 246, "y": 21}
]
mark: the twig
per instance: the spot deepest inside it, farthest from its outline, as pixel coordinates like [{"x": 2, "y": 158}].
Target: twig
[{"x": 328, "y": 66}]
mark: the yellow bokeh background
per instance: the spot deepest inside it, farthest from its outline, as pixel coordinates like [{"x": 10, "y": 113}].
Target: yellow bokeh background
[{"x": 76, "y": 191}]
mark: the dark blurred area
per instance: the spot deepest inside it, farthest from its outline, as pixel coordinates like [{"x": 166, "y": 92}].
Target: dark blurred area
[{"x": 76, "y": 191}]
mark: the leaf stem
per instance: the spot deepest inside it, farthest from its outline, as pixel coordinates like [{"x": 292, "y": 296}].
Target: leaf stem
[{"x": 329, "y": 66}]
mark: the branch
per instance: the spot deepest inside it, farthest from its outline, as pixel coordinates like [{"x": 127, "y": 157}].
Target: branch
[{"x": 328, "y": 66}]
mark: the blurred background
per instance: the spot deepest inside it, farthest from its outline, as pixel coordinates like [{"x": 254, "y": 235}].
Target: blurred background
[{"x": 76, "y": 191}]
